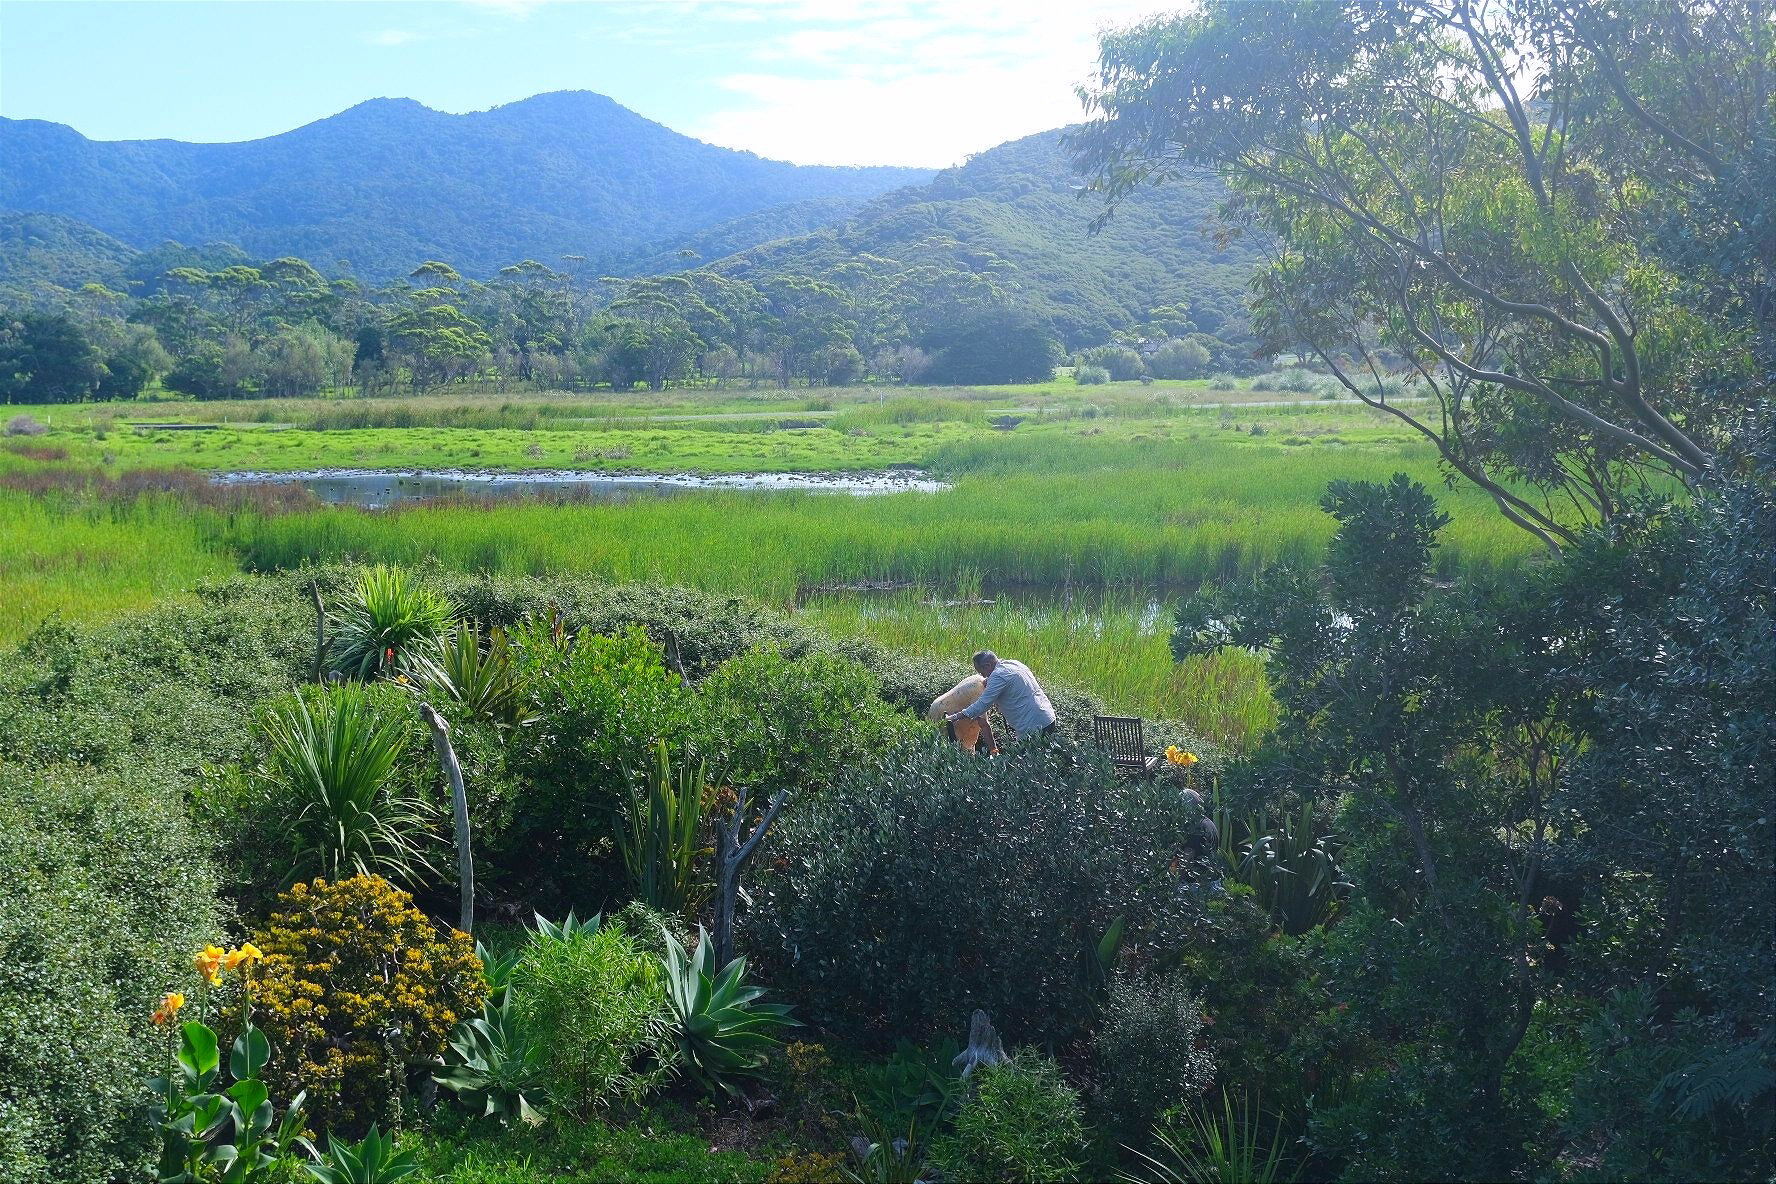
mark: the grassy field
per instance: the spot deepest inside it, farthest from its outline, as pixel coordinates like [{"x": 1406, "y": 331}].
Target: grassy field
[
  {"x": 85, "y": 560},
  {"x": 469, "y": 406},
  {"x": 1124, "y": 501}
]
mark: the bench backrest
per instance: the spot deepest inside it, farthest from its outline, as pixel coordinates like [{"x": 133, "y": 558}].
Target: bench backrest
[{"x": 1121, "y": 738}]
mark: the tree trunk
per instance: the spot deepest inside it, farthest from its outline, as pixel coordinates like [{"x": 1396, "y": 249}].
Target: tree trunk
[
  {"x": 465, "y": 862},
  {"x": 731, "y": 853}
]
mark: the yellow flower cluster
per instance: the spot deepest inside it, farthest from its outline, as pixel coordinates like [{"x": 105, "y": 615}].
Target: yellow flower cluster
[
  {"x": 346, "y": 964},
  {"x": 1179, "y": 757},
  {"x": 212, "y": 961}
]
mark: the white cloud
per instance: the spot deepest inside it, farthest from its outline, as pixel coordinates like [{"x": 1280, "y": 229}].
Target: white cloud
[
  {"x": 913, "y": 83},
  {"x": 392, "y": 37}
]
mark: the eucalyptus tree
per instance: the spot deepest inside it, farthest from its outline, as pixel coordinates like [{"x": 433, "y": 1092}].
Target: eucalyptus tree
[{"x": 1553, "y": 214}]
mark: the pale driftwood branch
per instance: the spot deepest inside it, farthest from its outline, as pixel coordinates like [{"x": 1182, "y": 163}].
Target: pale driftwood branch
[
  {"x": 320, "y": 667},
  {"x": 459, "y": 800},
  {"x": 731, "y": 853}
]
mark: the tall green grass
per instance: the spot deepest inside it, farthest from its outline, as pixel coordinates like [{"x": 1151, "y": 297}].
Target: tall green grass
[
  {"x": 83, "y": 561},
  {"x": 1117, "y": 648},
  {"x": 1043, "y": 511}
]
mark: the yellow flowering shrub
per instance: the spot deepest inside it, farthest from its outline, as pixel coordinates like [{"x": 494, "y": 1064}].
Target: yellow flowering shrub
[
  {"x": 356, "y": 982},
  {"x": 808, "y": 1167}
]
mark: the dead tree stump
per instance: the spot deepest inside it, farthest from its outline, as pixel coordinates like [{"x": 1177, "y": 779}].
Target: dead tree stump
[{"x": 984, "y": 1045}]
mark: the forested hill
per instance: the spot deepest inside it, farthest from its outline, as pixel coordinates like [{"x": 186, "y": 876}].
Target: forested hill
[
  {"x": 40, "y": 253},
  {"x": 391, "y": 182},
  {"x": 1017, "y": 213}
]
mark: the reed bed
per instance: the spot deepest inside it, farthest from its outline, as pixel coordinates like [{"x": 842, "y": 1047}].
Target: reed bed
[
  {"x": 82, "y": 559},
  {"x": 1038, "y": 512}
]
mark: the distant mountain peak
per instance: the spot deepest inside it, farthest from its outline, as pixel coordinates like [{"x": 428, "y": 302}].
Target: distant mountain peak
[{"x": 390, "y": 181}]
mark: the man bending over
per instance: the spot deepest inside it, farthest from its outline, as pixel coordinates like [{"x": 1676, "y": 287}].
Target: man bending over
[
  {"x": 973, "y": 735},
  {"x": 1014, "y": 690}
]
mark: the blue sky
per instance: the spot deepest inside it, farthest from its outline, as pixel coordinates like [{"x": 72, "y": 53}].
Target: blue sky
[{"x": 813, "y": 81}]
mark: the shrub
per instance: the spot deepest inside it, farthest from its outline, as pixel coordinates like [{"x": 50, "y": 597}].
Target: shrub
[
  {"x": 597, "y": 1005},
  {"x": 1119, "y": 362},
  {"x": 357, "y": 983},
  {"x": 330, "y": 773},
  {"x": 930, "y": 883},
  {"x": 601, "y": 704},
  {"x": 166, "y": 685},
  {"x": 1179, "y": 359},
  {"x": 808, "y": 1167},
  {"x": 104, "y": 891},
  {"x": 1022, "y": 1123},
  {"x": 25, "y": 425},
  {"x": 388, "y": 624},
  {"x": 1091, "y": 376},
  {"x": 1272, "y": 1027},
  {"x": 1148, "y": 1051},
  {"x": 770, "y": 720}
]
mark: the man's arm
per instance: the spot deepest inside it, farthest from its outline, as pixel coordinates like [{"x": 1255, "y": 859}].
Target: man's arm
[{"x": 990, "y": 693}]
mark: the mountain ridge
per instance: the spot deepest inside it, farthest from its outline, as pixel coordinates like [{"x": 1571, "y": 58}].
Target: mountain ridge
[{"x": 389, "y": 181}]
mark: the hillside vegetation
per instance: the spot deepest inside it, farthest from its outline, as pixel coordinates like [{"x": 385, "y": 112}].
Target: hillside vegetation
[
  {"x": 390, "y": 182},
  {"x": 1020, "y": 215}
]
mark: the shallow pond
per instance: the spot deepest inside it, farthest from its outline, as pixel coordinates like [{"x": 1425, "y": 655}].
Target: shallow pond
[{"x": 377, "y": 489}]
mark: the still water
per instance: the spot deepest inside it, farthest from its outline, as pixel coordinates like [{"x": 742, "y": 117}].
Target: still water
[{"x": 378, "y": 489}]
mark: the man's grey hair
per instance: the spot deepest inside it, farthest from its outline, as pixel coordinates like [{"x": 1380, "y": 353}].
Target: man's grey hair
[{"x": 985, "y": 658}]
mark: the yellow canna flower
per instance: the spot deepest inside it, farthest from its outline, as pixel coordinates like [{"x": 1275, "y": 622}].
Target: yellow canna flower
[
  {"x": 247, "y": 953},
  {"x": 168, "y": 1009},
  {"x": 1179, "y": 757},
  {"x": 209, "y": 963}
]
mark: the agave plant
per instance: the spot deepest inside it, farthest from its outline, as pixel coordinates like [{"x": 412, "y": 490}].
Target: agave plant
[
  {"x": 569, "y": 928},
  {"x": 389, "y": 625},
  {"x": 1229, "y": 1146},
  {"x": 371, "y": 1160},
  {"x": 723, "y": 1031},
  {"x": 659, "y": 835},
  {"x": 331, "y": 769},
  {"x": 497, "y": 969},
  {"x": 1292, "y": 871},
  {"x": 480, "y": 675},
  {"x": 495, "y": 1067}
]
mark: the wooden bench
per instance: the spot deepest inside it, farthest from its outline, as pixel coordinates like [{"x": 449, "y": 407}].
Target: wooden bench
[{"x": 1123, "y": 741}]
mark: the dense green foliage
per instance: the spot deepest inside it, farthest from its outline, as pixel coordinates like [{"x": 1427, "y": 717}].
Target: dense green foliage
[
  {"x": 926, "y": 883},
  {"x": 1489, "y": 754},
  {"x": 43, "y": 252},
  {"x": 1020, "y": 1123},
  {"x": 771, "y": 720},
  {"x": 1150, "y": 1052},
  {"x": 596, "y": 1005},
  {"x": 105, "y": 889}
]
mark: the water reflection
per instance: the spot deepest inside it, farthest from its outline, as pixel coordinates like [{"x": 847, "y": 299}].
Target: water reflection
[{"x": 378, "y": 489}]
